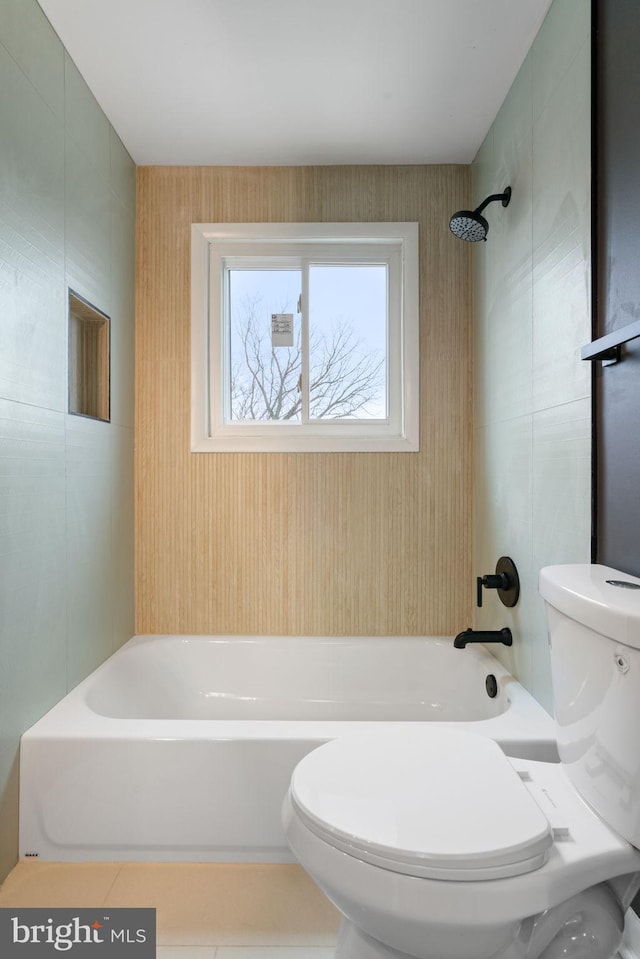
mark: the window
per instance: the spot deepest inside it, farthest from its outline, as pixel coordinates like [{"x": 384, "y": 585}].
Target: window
[{"x": 304, "y": 337}]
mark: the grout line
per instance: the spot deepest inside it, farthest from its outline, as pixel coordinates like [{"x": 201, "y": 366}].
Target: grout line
[{"x": 115, "y": 879}]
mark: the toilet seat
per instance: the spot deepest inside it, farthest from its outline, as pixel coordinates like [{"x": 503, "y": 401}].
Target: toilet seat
[{"x": 430, "y": 802}]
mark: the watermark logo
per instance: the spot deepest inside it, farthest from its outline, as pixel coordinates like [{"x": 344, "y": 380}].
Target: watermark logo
[{"x": 78, "y": 933}]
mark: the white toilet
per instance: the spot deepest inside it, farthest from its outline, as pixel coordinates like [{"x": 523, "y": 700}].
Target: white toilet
[{"x": 434, "y": 844}]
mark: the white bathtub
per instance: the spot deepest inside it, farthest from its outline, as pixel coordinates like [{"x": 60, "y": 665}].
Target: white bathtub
[{"x": 180, "y": 748}]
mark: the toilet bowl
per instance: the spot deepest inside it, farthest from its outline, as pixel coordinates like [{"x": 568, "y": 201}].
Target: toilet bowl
[
  {"x": 434, "y": 844},
  {"x": 437, "y": 845}
]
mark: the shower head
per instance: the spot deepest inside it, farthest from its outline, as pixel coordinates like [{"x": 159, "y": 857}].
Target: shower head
[{"x": 470, "y": 225}]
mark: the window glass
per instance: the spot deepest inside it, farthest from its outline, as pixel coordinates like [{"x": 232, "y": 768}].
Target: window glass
[
  {"x": 264, "y": 379},
  {"x": 348, "y": 342}
]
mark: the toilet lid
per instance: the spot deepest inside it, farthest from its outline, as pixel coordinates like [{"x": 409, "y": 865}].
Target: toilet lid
[{"x": 431, "y": 802}]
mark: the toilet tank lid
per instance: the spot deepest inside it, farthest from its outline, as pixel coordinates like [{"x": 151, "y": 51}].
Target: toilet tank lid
[{"x": 603, "y": 599}]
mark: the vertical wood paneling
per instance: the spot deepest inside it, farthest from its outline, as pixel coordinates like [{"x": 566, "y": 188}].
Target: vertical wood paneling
[{"x": 316, "y": 543}]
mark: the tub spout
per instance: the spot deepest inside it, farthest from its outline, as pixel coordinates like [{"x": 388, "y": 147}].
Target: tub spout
[{"x": 483, "y": 636}]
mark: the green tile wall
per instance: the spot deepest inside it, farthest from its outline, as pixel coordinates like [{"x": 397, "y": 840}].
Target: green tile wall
[
  {"x": 532, "y": 315},
  {"x": 67, "y": 218}
]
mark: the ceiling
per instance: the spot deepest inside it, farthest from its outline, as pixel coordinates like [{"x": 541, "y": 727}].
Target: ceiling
[{"x": 252, "y": 82}]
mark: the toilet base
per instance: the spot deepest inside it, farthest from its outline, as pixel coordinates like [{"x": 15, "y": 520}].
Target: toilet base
[
  {"x": 589, "y": 925},
  {"x": 354, "y": 944}
]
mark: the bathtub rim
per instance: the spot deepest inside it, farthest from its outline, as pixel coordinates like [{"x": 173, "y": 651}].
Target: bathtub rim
[{"x": 524, "y": 719}]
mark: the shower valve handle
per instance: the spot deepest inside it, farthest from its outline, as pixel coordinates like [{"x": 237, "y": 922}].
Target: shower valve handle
[
  {"x": 492, "y": 581},
  {"x": 505, "y": 580}
]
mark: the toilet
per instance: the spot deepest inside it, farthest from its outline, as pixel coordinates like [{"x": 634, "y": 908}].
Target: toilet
[{"x": 434, "y": 844}]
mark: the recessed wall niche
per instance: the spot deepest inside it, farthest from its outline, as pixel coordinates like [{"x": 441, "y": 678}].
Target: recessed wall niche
[{"x": 89, "y": 336}]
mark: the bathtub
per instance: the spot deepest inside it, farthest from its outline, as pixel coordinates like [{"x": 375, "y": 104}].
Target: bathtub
[{"x": 180, "y": 748}]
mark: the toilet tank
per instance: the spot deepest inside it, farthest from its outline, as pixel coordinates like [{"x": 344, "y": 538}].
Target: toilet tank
[{"x": 593, "y": 620}]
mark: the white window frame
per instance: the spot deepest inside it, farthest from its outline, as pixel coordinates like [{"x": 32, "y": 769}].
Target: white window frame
[{"x": 213, "y": 244}]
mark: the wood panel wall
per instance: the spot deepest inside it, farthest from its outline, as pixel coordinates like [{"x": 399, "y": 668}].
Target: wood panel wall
[{"x": 314, "y": 543}]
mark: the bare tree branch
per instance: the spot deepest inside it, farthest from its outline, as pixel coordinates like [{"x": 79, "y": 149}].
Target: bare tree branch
[{"x": 345, "y": 377}]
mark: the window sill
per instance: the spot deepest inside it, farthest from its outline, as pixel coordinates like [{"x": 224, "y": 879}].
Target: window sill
[{"x": 293, "y": 442}]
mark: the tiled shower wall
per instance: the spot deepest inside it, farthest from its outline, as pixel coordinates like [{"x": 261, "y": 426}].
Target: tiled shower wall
[
  {"x": 532, "y": 308},
  {"x": 67, "y": 219}
]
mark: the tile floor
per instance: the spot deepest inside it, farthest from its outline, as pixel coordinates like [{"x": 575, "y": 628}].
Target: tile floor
[{"x": 204, "y": 910}]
